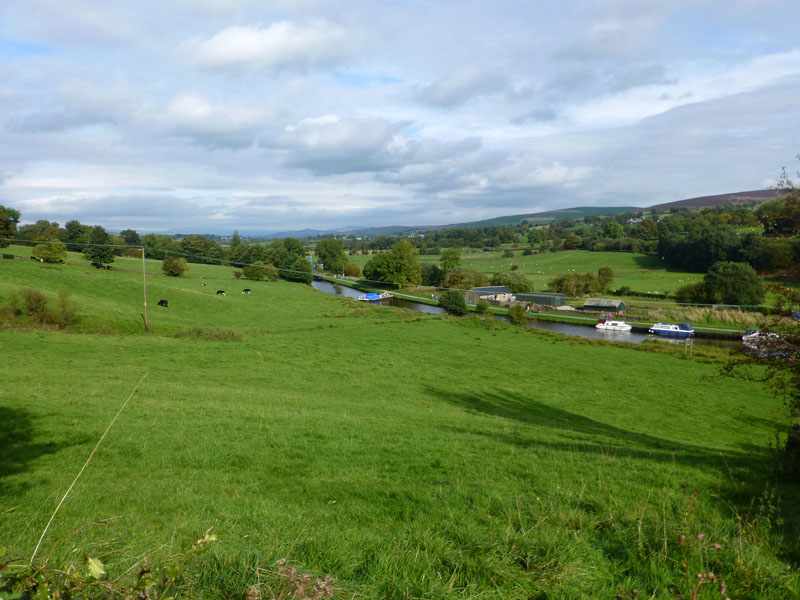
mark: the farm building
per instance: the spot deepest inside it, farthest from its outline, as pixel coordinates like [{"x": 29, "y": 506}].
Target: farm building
[
  {"x": 492, "y": 293},
  {"x": 608, "y": 306},
  {"x": 543, "y": 298}
]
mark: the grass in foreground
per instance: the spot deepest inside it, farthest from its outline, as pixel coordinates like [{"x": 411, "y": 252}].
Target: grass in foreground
[{"x": 407, "y": 456}]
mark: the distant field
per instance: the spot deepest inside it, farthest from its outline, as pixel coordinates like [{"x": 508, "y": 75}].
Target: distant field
[
  {"x": 640, "y": 272},
  {"x": 410, "y": 456}
]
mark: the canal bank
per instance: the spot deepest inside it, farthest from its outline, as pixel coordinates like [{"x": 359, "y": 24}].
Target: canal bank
[{"x": 577, "y": 325}]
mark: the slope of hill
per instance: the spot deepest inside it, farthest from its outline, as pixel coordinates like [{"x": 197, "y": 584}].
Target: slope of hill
[{"x": 719, "y": 200}]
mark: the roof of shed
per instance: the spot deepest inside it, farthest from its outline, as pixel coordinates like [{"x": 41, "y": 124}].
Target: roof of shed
[
  {"x": 492, "y": 289},
  {"x": 603, "y": 303}
]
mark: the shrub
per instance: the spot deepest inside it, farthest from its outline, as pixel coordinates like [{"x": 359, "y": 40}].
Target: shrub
[
  {"x": 516, "y": 314},
  {"x": 174, "y": 267},
  {"x": 508, "y": 254},
  {"x": 352, "y": 270},
  {"x": 256, "y": 272},
  {"x": 514, "y": 267},
  {"x": 237, "y": 273},
  {"x": 453, "y": 302},
  {"x": 31, "y": 306},
  {"x": 527, "y": 252},
  {"x": 482, "y": 306}
]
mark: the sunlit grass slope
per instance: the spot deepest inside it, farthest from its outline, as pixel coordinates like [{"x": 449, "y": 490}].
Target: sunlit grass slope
[
  {"x": 409, "y": 456},
  {"x": 640, "y": 272}
]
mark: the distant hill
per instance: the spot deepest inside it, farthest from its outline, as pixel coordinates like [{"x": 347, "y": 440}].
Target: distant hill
[
  {"x": 720, "y": 199},
  {"x": 578, "y": 212}
]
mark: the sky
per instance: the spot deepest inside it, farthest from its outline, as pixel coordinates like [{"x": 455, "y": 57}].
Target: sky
[{"x": 214, "y": 116}]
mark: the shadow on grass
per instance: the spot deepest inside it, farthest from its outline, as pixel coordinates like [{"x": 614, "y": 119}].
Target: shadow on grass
[
  {"x": 590, "y": 436},
  {"x": 19, "y": 447}
]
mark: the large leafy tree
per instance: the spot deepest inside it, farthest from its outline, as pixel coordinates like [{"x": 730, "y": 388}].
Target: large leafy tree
[
  {"x": 75, "y": 235},
  {"x": 99, "y": 249},
  {"x": 451, "y": 259},
  {"x": 733, "y": 283},
  {"x": 330, "y": 252},
  {"x": 9, "y": 217},
  {"x": 398, "y": 266},
  {"x": 516, "y": 282}
]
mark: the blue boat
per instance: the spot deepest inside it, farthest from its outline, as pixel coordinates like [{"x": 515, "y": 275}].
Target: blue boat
[
  {"x": 373, "y": 297},
  {"x": 681, "y": 330}
]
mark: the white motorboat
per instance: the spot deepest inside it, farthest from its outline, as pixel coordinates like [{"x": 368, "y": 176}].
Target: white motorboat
[{"x": 611, "y": 325}]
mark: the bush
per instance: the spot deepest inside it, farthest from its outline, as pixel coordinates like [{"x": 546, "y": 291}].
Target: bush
[
  {"x": 482, "y": 306},
  {"x": 508, "y": 254},
  {"x": 453, "y": 302},
  {"x": 516, "y": 314},
  {"x": 514, "y": 267},
  {"x": 352, "y": 270},
  {"x": 255, "y": 272},
  {"x": 516, "y": 282},
  {"x": 32, "y": 309},
  {"x": 174, "y": 267},
  {"x": 238, "y": 274},
  {"x": 527, "y": 252},
  {"x": 464, "y": 279}
]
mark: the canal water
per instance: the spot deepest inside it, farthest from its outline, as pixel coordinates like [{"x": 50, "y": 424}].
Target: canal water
[{"x": 585, "y": 331}]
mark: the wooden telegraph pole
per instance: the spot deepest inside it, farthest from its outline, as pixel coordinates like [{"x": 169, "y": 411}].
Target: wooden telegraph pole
[{"x": 144, "y": 278}]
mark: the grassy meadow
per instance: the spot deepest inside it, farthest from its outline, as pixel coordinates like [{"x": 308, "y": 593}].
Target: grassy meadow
[
  {"x": 408, "y": 455},
  {"x": 640, "y": 272}
]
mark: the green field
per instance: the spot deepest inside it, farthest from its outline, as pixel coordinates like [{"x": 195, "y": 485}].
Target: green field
[
  {"x": 640, "y": 272},
  {"x": 409, "y": 456}
]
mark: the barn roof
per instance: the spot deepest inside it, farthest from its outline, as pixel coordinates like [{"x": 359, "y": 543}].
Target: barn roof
[
  {"x": 602, "y": 303},
  {"x": 492, "y": 289}
]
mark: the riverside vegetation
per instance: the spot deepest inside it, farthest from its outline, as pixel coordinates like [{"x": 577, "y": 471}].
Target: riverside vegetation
[{"x": 403, "y": 455}]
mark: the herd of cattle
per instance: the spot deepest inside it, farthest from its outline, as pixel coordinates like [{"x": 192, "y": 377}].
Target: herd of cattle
[{"x": 165, "y": 303}]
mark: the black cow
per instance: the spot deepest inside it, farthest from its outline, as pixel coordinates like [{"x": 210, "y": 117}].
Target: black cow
[
  {"x": 204, "y": 285},
  {"x": 246, "y": 291},
  {"x": 220, "y": 292},
  {"x": 163, "y": 303}
]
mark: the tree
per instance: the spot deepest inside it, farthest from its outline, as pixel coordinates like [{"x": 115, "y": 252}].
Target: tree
[
  {"x": 201, "y": 250},
  {"x": 9, "y": 218},
  {"x": 432, "y": 275},
  {"x": 453, "y": 302},
  {"x": 451, "y": 259},
  {"x": 330, "y": 252},
  {"x": 398, "y": 266},
  {"x": 606, "y": 276},
  {"x": 299, "y": 270},
  {"x": 613, "y": 230},
  {"x": 130, "y": 237},
  {"x": 50, "y": 253},
  {"x": 465, "y": 279},
  {"x": 99, "y": 249},
  {"x": 75, "y": 235},
  {"x": 516, "y": 282},
  {"x": 573, "y": 241},
  {"x": 174, "y": 267},
  {"x": 778, "y": 359},
  {"x": 733, "y": 283}
]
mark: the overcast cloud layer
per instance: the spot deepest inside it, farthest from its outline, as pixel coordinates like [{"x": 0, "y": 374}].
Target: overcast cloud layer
[{"x": 222, "y": 115}]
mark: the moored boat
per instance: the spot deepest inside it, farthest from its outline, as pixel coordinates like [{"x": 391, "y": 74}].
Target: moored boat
[
  {"x": 681, "y": 330},
  {"x": 611, "y": 325},
  {"x": 374, "y": 297}
]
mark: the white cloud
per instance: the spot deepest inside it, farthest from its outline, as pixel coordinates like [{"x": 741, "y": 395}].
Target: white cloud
[{"x": 282, "y": 45}]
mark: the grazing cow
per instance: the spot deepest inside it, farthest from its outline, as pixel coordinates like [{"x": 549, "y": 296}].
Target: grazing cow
[
  {"x": 220, "y": 292},
  {"x": 163, "y": 303},
  {"x": 246, "y": 291},
  {"x": 204, "y": 285}
]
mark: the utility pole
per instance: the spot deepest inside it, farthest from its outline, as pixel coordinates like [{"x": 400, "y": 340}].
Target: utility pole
[{"x": 144, "y": 278}]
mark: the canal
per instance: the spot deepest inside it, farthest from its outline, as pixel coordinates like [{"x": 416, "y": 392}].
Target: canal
[{"x": 585, "y": 331}]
